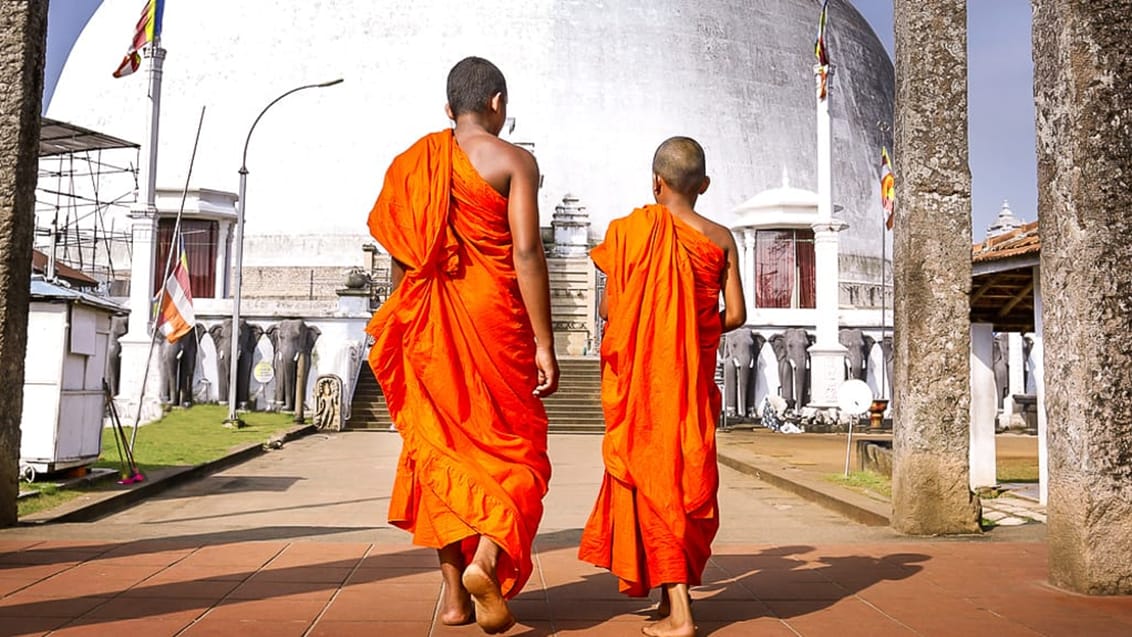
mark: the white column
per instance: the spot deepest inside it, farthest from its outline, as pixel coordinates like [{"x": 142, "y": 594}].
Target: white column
[
  {"x": 221, "y": 258},
  {"x": 747, "y": 249},
  {"x": 1017, "y": 376},
  {"x": 827, "y": 355},
  {"x": 136, "y": 341},
  {"x": 983, "y": 467},
  {"x": 1037, "y": 355}
]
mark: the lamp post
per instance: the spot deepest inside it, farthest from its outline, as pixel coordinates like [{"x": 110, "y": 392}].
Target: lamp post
[{"x": 238, "y": 243}]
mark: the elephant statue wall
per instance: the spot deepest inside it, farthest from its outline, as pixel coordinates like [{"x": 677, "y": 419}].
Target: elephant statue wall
[
  {"x": 859, "y": 345},
  {"x": 292, "y": 339},
  {"x": 178, "y": 365},
  {"x": 740, "y": 360},
  {"x": 222, "y": 336},
  {"x": 1000, "y": 365},
  {"x": 119, "y": 325},
  {"x": 886, "y": 349},
  {"x": 792, "y": 350}
]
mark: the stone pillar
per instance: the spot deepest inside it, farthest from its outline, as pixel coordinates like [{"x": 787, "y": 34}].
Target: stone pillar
[
  {"x": 932, "y": 272},
  {"x": 23, "y": 41},
  {"x": 1037, "y": 355},
  {"x": 827, "y": 354},
  {"x": 984, "y": 406},
  {"x": 1084, "y": 133}
]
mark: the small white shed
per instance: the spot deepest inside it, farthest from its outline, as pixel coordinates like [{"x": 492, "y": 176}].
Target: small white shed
[{"x": 64, "y": 366}]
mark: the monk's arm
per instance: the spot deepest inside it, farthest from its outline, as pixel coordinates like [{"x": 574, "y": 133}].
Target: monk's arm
[
  {"x": 396, "y": 273},
  {"x": 734, "y": 313},
  {"x": 530, "y": 264}
]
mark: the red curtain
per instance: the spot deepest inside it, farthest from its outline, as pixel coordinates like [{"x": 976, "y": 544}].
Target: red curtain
[
  {"x": 807, "y": 297},
  {"x": 784, "y": 269},
  {"x": 200, "y": 248}
]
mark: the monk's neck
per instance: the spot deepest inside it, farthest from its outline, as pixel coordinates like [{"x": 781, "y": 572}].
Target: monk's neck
[
  {"x": 472, "y": 124},
  {"x": 678, "y": 205}
]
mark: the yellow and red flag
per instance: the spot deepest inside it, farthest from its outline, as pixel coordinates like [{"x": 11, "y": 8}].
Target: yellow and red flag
[
  {"x": 175, "y": 316},
  {"x": 822, "y": 52},
  {"x": 148, "y": 29},
  {"x": 887, "y": 188}
]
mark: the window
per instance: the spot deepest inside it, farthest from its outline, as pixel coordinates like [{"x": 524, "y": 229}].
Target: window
[
  {"x": 784, "y": 269},
  {"x": 200, "y": 247}
]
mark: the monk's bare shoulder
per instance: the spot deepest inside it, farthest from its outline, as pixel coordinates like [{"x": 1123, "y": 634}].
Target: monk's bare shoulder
[{"x": 717, "y": 233}]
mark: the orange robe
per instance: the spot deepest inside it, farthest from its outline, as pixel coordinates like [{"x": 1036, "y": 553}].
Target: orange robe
[
  {"x": 454, "y": 354},
  {"x": 656, "y": 513}
]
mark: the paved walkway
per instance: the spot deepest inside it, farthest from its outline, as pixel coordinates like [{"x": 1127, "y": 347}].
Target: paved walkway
[{"x": 294, "y": 543}]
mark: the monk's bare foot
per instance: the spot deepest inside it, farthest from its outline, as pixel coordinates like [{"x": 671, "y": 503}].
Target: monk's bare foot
[
  {"x": 492, "y": 613},
  {"x": 456, "y": 606},
  {"x": 664, "y": 608},
  {"x": 668, "y": 628}
]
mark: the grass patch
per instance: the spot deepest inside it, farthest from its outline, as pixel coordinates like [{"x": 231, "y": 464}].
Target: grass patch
[
  {"x": 188, "y": 437},
  {"x": 1017, "y": 470},
  {"x": 184, "y": 437},
  {"x": 864, "y": 481},
  {"x": 49, "y": 497}
]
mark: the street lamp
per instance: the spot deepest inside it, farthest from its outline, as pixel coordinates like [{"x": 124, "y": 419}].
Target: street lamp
[{"x": 239, "y": 246}]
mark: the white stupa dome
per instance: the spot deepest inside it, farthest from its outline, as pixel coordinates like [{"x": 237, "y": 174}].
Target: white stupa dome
[{"x": 595, "y": 86}]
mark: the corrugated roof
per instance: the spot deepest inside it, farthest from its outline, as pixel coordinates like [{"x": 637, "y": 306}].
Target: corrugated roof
[
  {"x": 58, "y": 138},
  {"x": 1023, "y": 240},
  {"x": 41, "y": 289}
]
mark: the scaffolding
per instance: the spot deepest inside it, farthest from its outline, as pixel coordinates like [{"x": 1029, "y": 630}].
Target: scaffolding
[{"x": 87, "y": 183}]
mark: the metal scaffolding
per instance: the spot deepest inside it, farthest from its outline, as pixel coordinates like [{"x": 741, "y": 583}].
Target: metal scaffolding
[{"x": 87, "y": 183}]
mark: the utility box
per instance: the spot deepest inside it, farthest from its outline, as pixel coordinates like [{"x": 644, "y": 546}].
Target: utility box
[{"x": 64, "y": 367}]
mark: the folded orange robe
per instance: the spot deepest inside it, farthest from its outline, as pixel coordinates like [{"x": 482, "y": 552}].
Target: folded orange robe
[
  {"x": 455, "y": 358},
  {"x": 656, "y": 514}
]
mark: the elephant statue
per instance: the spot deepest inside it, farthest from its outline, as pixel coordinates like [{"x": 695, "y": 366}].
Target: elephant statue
[
  {"x": 792, "y": 350},
  {"x": 292, "y": 339},
  {"x": 178, "y": 365},
  {"x": 886, "y": 350},
  {"x": 1000, "y": 365},
  {"x": 740, "y": 361},
  {"x": 222, "y": 337},
  {"x": 859, "y": 345},
  {"x": 119, "y": 325}
]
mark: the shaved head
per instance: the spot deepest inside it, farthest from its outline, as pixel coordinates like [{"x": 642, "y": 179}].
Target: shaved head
[
  {"x": 472, "y": 83},
  {"x": 680, "y": 163}
]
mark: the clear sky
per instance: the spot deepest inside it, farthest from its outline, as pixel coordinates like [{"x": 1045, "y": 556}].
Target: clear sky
[{"x": 1001, "y": 104}]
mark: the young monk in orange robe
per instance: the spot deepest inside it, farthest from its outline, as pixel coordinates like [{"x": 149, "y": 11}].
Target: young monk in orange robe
[
  {"x": 464, "y": 349},
  {"x": 656, "y": 513}
]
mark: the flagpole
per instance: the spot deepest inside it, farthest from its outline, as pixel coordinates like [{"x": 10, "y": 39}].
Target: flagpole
[{"x": 165, "y": 277}]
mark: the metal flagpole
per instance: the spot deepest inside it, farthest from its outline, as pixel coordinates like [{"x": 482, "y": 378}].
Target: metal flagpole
[{"x": 165, "y": 277}]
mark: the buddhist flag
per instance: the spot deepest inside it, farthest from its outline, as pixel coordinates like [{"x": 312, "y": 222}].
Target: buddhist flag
[
  {"x": 821, "y": 52},
  {"x": 175, "y": 316},
  {"x": 147, "y": 30},
  {"x": 887, "y": 187}
]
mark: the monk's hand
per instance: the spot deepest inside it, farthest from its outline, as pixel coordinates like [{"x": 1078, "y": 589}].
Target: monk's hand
[{"x": 547, "y": 364}]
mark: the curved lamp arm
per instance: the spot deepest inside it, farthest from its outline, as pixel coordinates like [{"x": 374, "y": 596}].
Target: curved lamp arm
[{"x": 244, "y": 159}]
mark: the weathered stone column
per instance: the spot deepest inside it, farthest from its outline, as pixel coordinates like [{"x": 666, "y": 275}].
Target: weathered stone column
[
  {"x": 23, "y": 41},
  {"x": 932, "y": 277},
  {"x": 1084, "y": 126}
]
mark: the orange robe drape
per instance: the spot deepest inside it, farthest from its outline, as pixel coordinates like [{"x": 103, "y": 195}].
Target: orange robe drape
[
  {"x": 454, "y": 354},
  {"x": 656, "y": 513}
]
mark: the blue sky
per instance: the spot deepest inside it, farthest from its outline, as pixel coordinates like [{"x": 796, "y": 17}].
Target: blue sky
[{"x": 1001, "y": 105}]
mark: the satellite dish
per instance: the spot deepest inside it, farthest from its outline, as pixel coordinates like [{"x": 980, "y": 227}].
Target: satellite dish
[{"x": 854, "y": 397}]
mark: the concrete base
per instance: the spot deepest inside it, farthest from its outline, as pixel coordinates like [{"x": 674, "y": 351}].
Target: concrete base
[
  {"x": 134, "y": 352},
  {"x": 827, "y": 372},
  {"x": 932, "y": 497}
]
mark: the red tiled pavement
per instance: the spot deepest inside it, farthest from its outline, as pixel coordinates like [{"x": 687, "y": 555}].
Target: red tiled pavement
[{"x": 327, "y": 588}]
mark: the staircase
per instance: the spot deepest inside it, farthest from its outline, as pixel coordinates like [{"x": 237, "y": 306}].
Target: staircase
[
  {"x": 368, "y": 411},
  {"x": 574, "y": 408}
]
